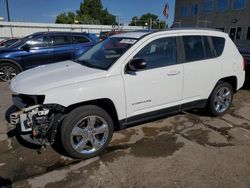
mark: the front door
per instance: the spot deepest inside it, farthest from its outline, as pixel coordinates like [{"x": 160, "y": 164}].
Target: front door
[
  {"x": 159, "y": 86},
  {"x": 39, "y": 52}
]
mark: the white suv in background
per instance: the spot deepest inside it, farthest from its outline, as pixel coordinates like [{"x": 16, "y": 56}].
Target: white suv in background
[{"x": 124, "y": 80}]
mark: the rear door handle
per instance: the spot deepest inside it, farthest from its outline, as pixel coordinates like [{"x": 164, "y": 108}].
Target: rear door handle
[{"x": 173, "y": 73}]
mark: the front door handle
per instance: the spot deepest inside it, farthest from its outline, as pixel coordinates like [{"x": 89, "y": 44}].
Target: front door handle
[{"x": 173, "y": 73}]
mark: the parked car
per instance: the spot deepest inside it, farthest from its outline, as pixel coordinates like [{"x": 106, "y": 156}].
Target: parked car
[
  {"x": 245, "y": 52},
  {"x": 8, "y": 42},
  {"x": 125, "y": 80},
  {"x": 103, "y": 35},
  {"x": 42, "y": 48},
  {"x": 106, "y": 34}
]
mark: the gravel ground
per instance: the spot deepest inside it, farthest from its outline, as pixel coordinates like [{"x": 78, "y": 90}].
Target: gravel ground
[{"x": 189, "y": 149}]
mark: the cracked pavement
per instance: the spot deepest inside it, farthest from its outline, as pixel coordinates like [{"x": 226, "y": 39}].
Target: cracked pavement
[{"x": 189, "y": 149}]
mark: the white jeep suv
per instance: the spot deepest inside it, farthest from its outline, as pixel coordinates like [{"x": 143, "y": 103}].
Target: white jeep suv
[{"x": 122, "y": 81}]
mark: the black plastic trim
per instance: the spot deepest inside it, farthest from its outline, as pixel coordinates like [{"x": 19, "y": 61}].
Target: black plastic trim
[{"x": 142, "y": 118}]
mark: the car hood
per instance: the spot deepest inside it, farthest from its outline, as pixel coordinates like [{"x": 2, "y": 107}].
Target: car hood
[{"x": 42, "y": 78}]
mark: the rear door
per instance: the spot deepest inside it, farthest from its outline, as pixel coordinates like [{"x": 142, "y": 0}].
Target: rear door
[
  {"x": 63, "y": 47},
  {"x": 83, "y": 43},
  {"x": 201, "y": 69}
]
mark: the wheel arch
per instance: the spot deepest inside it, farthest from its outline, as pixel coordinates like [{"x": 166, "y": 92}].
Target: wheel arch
[
  {"x": 232, "y": 80},
  {"x": 104, "y": 103},
  {"x": 12, "y": 62}
]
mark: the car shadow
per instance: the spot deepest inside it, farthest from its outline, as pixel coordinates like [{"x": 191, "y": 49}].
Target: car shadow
[
  {"x": 15, "y": 133},
  {"x": 9, "y": 111},
  {"x": 5, "y": 183},
  {"x": 246, "y": 85},
  {"x": 202, "y": 112}
]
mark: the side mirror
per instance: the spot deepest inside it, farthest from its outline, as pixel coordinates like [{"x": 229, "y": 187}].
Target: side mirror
[
  {"x": 26, "y": 47},
  {"x": 137, "y": 64}
]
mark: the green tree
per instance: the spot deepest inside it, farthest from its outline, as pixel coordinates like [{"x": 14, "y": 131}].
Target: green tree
[
  {"x": 147, "y": 20},
  {"x": 66, "y": 18},
  {"x": 135, "y": 21},
  {"x": 90, "y": 12},
  {"x": 92, "y": 8},
  {"x": 163, "y": 25}
]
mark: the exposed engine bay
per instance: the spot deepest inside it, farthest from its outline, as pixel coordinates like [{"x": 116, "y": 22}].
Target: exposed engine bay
[{"x": 37, "y": 123}]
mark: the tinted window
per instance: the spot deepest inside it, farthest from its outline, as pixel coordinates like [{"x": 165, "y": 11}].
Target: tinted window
[
  {"x": 223, "y": 5},
  {"x": 208, "y": 52},
  {"x": 219, "y": 44},
  {"x": 10, "y": 42},
  {"x": 81, "y": 39},
  {"x": 194, "y": 49},
  {"x": 239, "y": 4},
  {"x": 197, "y": 48},
  {"x": 248, "y": 33},
  {"x": 62, "y": 40},
  {"x": 195, "y": 9},
  {"x": 208, "y": 6},
  {"x": 39, "y": 42},
  {"x": 184, "y": 11},
  {"x": 159, "y": 53}
]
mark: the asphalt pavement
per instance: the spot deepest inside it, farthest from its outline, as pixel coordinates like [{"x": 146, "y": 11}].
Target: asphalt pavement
[{"x": 189, "y": 149}]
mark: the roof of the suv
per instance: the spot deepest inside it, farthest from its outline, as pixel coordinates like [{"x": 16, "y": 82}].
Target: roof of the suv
[
  {"x": 60, "y": 32},
  {"x": 140, "y": 34}
]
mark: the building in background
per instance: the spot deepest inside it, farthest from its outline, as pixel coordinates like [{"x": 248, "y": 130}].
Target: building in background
[{"x": 230, "y": 16}]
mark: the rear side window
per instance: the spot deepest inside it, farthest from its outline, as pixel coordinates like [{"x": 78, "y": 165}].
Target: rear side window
[
  {"x": 193, "y": 47},
  {"x": 219, "y": 44},
  {"x": 62, "y": 40},
  {"x": 81, "y": 39},
  {"x": 196, "y": 48}
]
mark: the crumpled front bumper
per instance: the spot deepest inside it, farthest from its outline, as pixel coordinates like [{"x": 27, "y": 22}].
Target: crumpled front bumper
[{"x": 24, "y": 117}]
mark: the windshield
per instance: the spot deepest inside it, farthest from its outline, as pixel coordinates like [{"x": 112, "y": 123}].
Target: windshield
[{"x": 104, "y": 54}]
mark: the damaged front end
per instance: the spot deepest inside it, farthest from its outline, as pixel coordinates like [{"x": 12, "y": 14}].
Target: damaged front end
[{"x": 36, "y": 122}]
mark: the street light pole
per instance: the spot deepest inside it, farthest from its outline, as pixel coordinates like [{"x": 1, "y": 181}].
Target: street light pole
[{"x": 8, "y": 10}]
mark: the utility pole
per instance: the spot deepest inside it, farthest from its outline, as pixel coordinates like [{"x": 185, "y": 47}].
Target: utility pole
[
  {"x": 118, "y": 21},
  {"x": 8, "y": 10},
  {"x": 150, "y": 25}
]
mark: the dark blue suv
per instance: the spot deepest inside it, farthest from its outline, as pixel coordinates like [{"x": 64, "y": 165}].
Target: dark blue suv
[{"x": 42, "y": 48}]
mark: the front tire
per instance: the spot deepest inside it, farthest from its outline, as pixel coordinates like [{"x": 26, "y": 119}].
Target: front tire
[
  {"x": 8, "y": 71},
  {"x": 86, "y": 132},
  {"x": 221, "y": 99}
]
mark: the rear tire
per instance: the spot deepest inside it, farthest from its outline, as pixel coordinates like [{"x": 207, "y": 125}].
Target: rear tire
[
  {"x": 86, "y": 131},
  {"x": 221, "y": 99},
  {"x": 8, "y": 71}
]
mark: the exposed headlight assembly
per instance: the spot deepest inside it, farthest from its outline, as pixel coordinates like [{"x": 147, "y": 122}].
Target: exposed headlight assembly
[{"x": 23, "y": 101}]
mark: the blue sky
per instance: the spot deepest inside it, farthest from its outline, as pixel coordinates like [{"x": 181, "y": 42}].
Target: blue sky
[{"x": 46, "y": 10}]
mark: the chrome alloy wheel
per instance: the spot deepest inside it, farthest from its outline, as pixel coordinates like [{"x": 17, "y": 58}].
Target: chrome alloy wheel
[
  {"x": 7, "y": 73},
  {"x": 222, "y": 99},
  {"x": 89, "y": 134}
]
